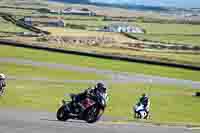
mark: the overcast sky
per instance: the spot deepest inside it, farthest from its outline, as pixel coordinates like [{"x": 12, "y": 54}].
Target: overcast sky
[{"x": 176, "y": 3}]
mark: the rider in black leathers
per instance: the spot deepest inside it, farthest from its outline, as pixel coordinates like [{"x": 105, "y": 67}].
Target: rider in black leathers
[
  {"x": 2, "y": 83},
  {"x": 76, "y": 99},
  {"x": 144, "y": 99}
]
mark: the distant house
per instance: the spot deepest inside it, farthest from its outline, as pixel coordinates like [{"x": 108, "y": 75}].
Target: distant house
[
  {"x": 42, "y": 21},
  {"x": 44, "y": 10},
  {"x": 122, "y": 28},
  {"x": 71, "y": 11},
  {"x": 120, "y": 18},
  {"x": 54, "y": 11}
]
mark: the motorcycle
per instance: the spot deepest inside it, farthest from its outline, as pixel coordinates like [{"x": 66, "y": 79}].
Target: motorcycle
[
  {"x": 92, "y": 108},
  {"x": 2, "y": 91},
  {"x": 140, "y": 112}
]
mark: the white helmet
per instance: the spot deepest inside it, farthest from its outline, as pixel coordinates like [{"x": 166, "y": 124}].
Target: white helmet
[{"x": 2, "y": 76}]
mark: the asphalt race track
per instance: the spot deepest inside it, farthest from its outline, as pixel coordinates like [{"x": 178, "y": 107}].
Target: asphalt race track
[
  {"x": 26, "y": 121},
  {"x": 21, "y": 121}
]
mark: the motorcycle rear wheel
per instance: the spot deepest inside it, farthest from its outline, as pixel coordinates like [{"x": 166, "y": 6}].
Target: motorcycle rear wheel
[{"x": 93, "y": 114}]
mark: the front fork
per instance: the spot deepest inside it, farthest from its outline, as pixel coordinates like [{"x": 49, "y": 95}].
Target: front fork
[{"x": 2, "y": 91}]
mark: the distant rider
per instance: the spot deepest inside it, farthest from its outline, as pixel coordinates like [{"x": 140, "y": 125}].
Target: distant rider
[
  {"x": 144, "y": 100},
  {"x": 2, "y": 83}
]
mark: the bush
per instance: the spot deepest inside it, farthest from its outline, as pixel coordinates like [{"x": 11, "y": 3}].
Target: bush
[
  {"x": 197, "y": 94},
  {"x": 74, "y": 26}
]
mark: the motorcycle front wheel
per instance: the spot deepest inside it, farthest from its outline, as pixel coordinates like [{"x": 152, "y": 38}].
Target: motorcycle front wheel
[
  {"x": 62, "y": 114},
  {"x": 2, "y": 91},
  {"x": 93, "y": 114}
]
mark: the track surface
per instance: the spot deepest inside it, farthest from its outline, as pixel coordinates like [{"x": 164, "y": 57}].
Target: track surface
[
  {"x": 20, "y": 121},
  {"x": 115, "y": 77},
  {"x": 16, "y": 121}
]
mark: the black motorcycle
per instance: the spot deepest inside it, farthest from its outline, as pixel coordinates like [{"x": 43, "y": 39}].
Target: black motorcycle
[
  {"x": 90, "y": 109},
  {"x": 2, "y": 91}
]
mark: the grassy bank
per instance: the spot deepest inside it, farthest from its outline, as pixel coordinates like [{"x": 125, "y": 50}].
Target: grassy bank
[
  {"x": 114, "y": 65},
  {"x": 156, "y": 28},
  {"x": 169, "y": 103},
  {"x": 37, "y": 95},
  {"x": 186, "y": 58},
  {"x": 30, "y": 71},
  {"x": 174, "y": 39},
  {"x": 9, "y": 27}
]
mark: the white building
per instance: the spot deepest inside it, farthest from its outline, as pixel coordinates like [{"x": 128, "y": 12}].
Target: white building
[
  {"x": 72, "y": 11},
  {"x": 39, "y": 21},
  {"x": 123, "y": 28}
]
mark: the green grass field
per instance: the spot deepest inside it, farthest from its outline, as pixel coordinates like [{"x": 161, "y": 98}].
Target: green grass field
[
  {"x": 170, "y": 33},
  {"x": 167, "y": 33},
  {"x": 37, "y": 95},
  {"x": 187, "y": 58},
  {"x": 9, "y": 27},
  {"x": 173, "y": 39},
  {"x": 17, "y": 12},
  {"x": 156, "y": 28},
  {"x": 123, "y": 66},
  {"x": 117, "y": 48},
  {"x": 151, "y": 28},
  {"x": 169, "y": 103},
  {"x": 89, "y": 23}
]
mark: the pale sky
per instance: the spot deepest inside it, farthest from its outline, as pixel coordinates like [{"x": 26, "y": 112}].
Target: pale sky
[{"x": 176, "y": 3}]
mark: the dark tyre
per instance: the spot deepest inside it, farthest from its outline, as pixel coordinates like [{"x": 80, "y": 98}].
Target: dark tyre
[
  {"x": 2, "y": 91},
  {"x": 93, "y": 114},
  {"x": 62, "y": 115},
  {"x": 147, "y": 116},
  {"x": 137, "y": 115}
]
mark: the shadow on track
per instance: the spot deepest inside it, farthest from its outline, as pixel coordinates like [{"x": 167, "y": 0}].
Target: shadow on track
[{"x": 69, "y": 121}]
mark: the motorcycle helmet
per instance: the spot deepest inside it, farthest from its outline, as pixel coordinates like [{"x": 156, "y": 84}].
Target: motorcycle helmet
[
  {"x": 101, "y": 87},
  {"x": 2, "y": 76}
]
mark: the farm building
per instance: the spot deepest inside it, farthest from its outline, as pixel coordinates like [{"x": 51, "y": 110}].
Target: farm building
[
  {"x": 122, "y": 28},
  {"x": 71, "y": 11},
  {"x": 44, "y": 21},
  {"x": 54, "y": 11}
]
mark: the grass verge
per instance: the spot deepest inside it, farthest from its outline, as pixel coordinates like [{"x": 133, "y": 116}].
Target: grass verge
[
  {"x": 43, "y": 72},
  {"x": 173, "y": 39},
  {"x": 108, "y": 64},
  {"x": 156, "y": 28},
  {"x": 169, "y": 103},
  {"x": 184, "y": 58},
  {"x": 9, "y": 27}
]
